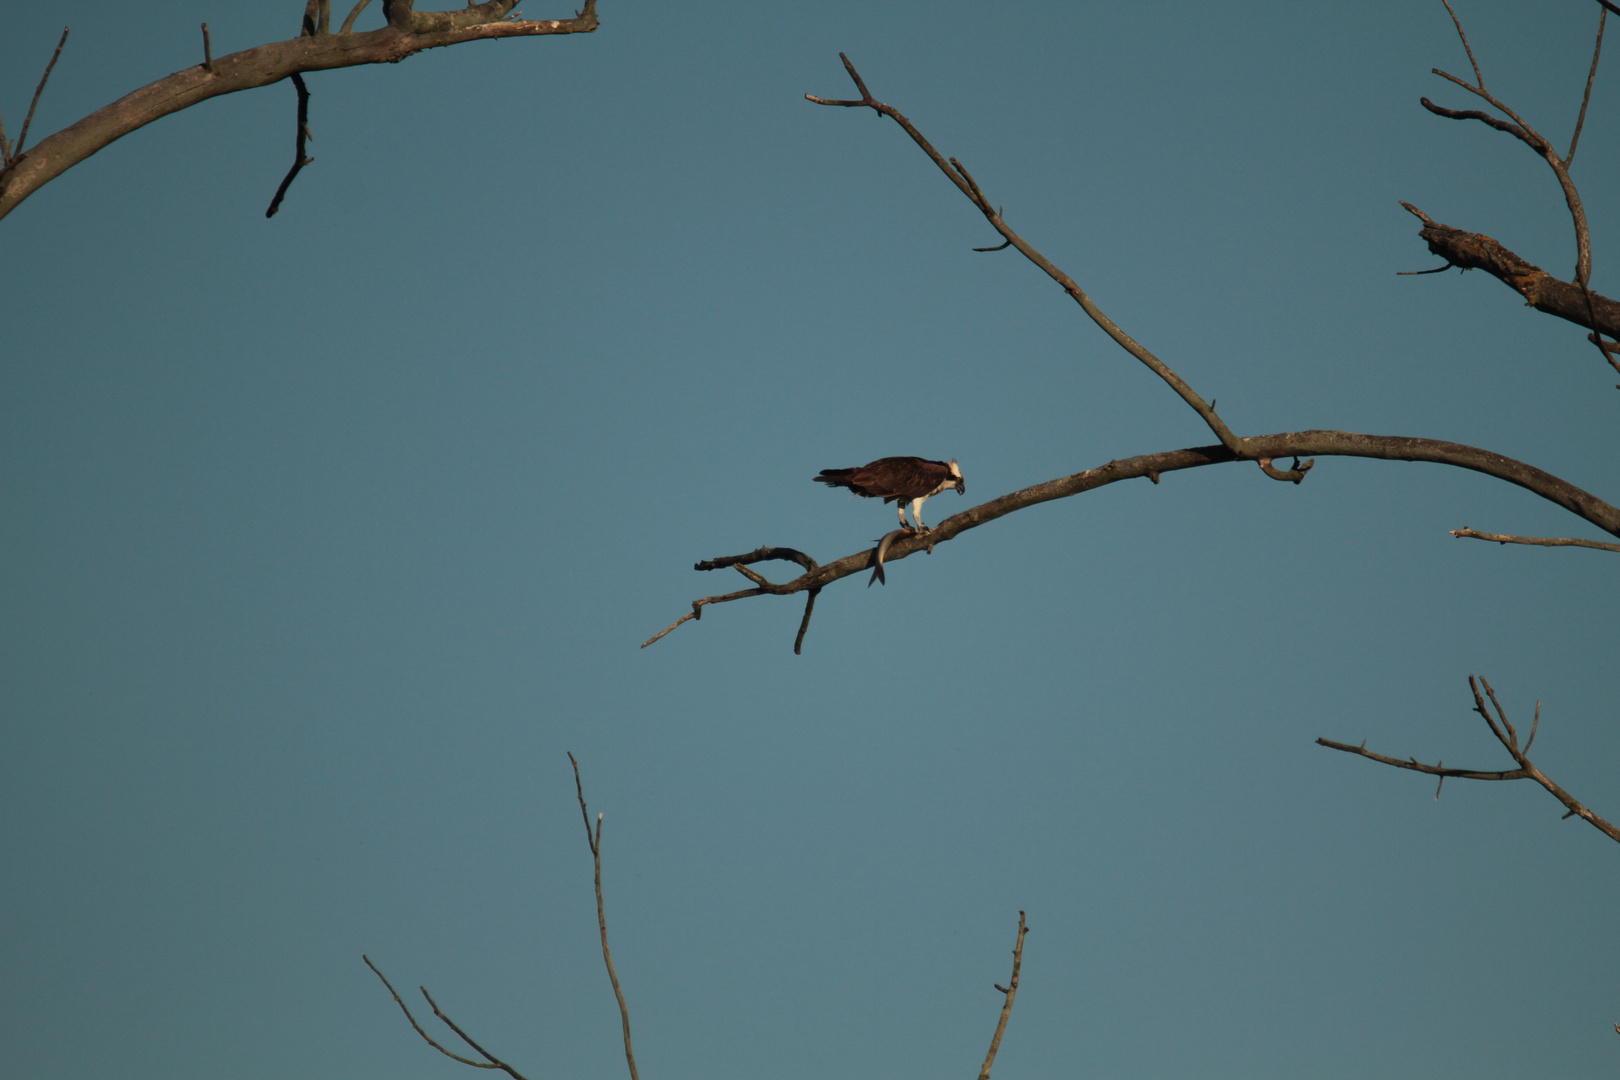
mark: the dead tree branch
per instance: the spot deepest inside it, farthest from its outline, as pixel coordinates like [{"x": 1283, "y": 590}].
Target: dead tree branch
[
  {"x": 1540, "y": 541},
  {"x": 408, "y": 32},
  {"x": 1010, "y": 991},
  {"x": 1508, "y": 736},
  {"x": 299, "y": 158},
  {"x": 1515, "y": 270},
  {"x": 490, "y": 1062},
  {"x": 9, "y": 154},
  {"x": 958, "y": 175},
  {"x": 1542, "y": 291},
  {"x": 1298, "y": 444},
  {"x": 595, "y": 841}
]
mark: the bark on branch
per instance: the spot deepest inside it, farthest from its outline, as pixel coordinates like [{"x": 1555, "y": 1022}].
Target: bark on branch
[
  {"x": 408, "y": 32},
  {"x": 1581, "y": 503},
  {"x": 1542, "y": 291}
]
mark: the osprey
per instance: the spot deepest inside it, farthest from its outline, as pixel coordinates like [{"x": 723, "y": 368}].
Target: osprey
[{"x": 898, "y": 480}]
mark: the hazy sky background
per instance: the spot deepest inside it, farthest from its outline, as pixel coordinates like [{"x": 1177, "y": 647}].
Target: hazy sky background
[{"x": 323, "y": 538}]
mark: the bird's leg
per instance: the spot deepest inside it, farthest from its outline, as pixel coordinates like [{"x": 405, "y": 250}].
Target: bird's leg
[
  {"x": 916, "y": 512},
  {"x": 900, "y": 509}
]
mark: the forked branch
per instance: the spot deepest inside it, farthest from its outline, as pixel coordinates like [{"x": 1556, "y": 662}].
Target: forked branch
[
  {"x": 594, "y": 839},
  {"x": 1508, "y": 736},
  {"x": 489, "y": 1062}
]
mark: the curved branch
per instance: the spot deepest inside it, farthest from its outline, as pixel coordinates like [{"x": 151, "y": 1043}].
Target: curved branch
[
  {"x": 408, "y": 33},
  {"x": 1298, "y": 444}
]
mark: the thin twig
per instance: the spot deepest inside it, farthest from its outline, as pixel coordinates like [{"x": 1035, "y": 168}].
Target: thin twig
[
  {"x": 601, "y": 914},
  {"x": 1010, "y": 991},
  {"x": 208, "y": 52},
  {"x": 494, "y": 1063},
  {"x": 1508, "y": 736},
  {"x": 1597, "y": 50},
  {"x": 970, "y": 188},
  {"x": 299, "y": 160},
  {"x": 1540, "y": 541},
  {"x": 22, "y": 136},
  {"x": 453, "y": 1026},
  {"x": 804, "y": 623},
  {"x": 1469, "y": 49}
]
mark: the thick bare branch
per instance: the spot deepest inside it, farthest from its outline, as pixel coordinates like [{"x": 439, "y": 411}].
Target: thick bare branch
[
  {"x": 965, "y": 183},
  {"x": 1297, "y": 444},
  {"x": 1508, "y": 736},
  {"x": 407, "y": 33},
  {"x": 1539, "y": 541},
  {"x": 1009, "y": 991},
  {"x": 601, "y": 916},
  {"x": 1540, "y": 289}
]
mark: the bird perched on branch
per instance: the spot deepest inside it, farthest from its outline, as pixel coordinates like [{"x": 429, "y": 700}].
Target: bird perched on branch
[{"x": 900, "y": 480}]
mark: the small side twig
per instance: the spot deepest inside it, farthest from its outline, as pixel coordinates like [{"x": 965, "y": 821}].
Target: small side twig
[
  {"x": 354, "y": 13},
  {"x": 22, "y": 136},
  {"x": 1292, "y": 476},
  {"x": 1508, "y": 736},
  {"x": 1540, "y": 541},
  {"x": 1011, "y": 991},
  {"x": 1466, "y": 47},
  {"x": 492, "y": 1063},
  {"x": 595, "y": 841},
  {"x": 804, "y": 624},
  {"x": 208, "y": 52},
  {"x": 299, "y": 160},
  {"x": 1416, "y": 273}
]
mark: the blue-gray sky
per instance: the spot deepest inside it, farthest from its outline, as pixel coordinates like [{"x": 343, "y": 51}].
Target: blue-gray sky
[{"x": 325, "y": 537}]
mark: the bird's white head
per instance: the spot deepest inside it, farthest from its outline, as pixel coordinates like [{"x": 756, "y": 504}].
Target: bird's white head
[{"x": 956, "y": 471}]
